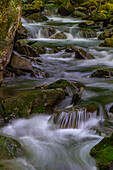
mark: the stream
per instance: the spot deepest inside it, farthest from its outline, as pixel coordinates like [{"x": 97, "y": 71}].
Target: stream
[{"x": 47, "y": 148}]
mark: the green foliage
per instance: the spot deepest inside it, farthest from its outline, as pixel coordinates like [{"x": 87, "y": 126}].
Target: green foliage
[{"x": 103, "y": 152}]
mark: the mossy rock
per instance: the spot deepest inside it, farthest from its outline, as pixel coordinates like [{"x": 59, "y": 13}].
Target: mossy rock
[
  {"x": 103, "y": 153},
  {"x": 73, "y": 89},
  {"x": 35, "y": 101},
  {"x": 107, "y": 43},
  {"x": 80, "y": 14},
  {"x": 38, "y": 17},
  {"x": 69, "y": 87},
  {"x": 9, "y": 148},
  {"x": 34, "y": 7},
  {"x": 106, "y": 34}
]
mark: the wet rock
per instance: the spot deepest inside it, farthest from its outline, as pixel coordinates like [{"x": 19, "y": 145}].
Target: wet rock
[
  {"x": 80, "y": 14},
  {"x": 20, "y": 62},
  {"x": 82, "y": 54},
  {"x": 70, "y": 48},
  {"x": 34, "y": 101},
  {"x": 12, "y": 72},
  {"x": 9, "y": 148},
  {"x": 65, "y": 11},
  {"x": 32, "y": 8},
  {"x": 102, "y": 73},
  {"x": 103, "y": 153},
  {"x": 106, "y": 34},
  {"x": 107, "y": 43},
  {"x": 86, "y": 24},
  {"x": 39, "y": 73},
  {"x": 38, "y": 17},
  {"x": 59, "y": 35},
  {"x": 73, "y": 89},
  {"x": 23, "y": 48}
]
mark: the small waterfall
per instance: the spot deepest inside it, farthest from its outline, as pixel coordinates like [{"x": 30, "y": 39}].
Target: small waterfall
[
  {"x": 74, "y": 118},
  {"x": 43, "y": 33},
  {"x": 74, "y": 30},
  {"x": 69, "y": 36}
]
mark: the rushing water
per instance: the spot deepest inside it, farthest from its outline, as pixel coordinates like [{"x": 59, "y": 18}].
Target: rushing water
[{"x": 48, "y": 148}]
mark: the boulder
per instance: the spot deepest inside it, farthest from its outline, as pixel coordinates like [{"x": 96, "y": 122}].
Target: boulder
[
  {"x": 25, "y": 49},
  {"x": 103, "y": 153},
  {"x": 34, "y": 101},
  {"x": 73, "y": 89},
  {"x": 80, "y": 14},
  {"x": 9, "y": 148},
  {"x": 59, "y": 35},
  {"x": 65, "y": 11},
  {"x": 102, "y": 73},
  {"x": 37, "y": 17},
  {"x": 21, "y": 63},
  {"x": 40, "y": 100},
  {"x": 86, "y": 24},
  {"x": 82, "y": 54},
  {"x": 106, "y": 34},
  {"x": 107, "y": 43}
]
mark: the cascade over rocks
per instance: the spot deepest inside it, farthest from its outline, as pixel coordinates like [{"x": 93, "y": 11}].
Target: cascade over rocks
[
  {"x": 41, "y": 100},
  {"x": 74, "y": 117}
]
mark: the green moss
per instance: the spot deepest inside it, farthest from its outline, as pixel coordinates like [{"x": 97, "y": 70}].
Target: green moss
[
  {"x": 103, "y": 153},
  {"x": 38, "y": 17},
  {"x": 108, "y": 43},
  {"x": 39, "y": 109},
  {"x": 9, "y": 148},
  {"x": 35, "y": 101}
]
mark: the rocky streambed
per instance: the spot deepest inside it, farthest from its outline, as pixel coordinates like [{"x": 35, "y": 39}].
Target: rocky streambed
[{"x": 56, "y": 97}]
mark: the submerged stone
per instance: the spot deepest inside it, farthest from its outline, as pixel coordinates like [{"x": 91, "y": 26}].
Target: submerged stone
[{"x": 103, "y": 153}]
